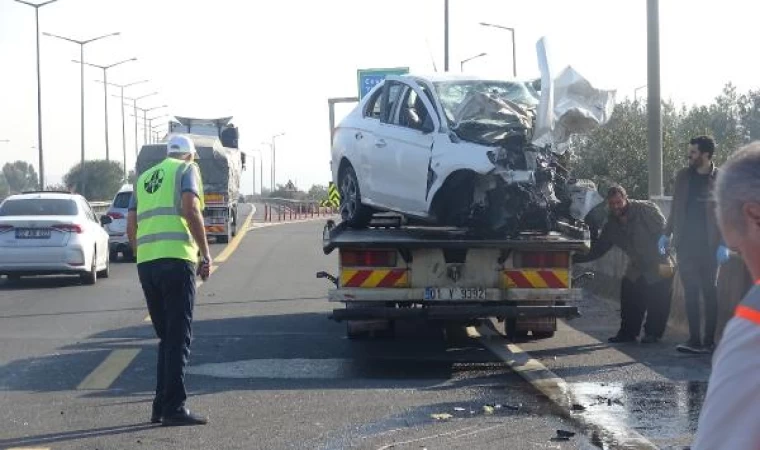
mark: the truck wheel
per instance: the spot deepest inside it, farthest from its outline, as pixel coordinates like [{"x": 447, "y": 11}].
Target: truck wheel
[
  {"x": 543, "y": 334},
  {"x": 352, "y": 211},
  {"x": 511, "y": 331},
  {"x": 234, "y": 222}
]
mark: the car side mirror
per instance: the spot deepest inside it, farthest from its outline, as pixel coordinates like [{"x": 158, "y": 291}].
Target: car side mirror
[{"x": 105, "y": 220}]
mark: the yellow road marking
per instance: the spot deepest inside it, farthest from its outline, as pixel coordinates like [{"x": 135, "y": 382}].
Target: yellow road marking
[
  {"x": 233, "y": 245},
  {"x": 109, "y": 370}
]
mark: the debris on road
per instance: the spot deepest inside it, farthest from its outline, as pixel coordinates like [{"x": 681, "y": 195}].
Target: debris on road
[
  {"x": 563, "y": 433},
  {"x": 577, "y": 407},
  {"x": 488, "y": 409},
  {"x": 442, "y": 416}
]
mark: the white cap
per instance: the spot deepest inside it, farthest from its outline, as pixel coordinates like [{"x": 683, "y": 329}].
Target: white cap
[{"x": 179, "y": 144}]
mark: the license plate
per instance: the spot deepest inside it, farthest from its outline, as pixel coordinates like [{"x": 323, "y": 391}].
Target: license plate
[
  {"x": 32, "y": 233},
  {"x": 455, "y": 293}
]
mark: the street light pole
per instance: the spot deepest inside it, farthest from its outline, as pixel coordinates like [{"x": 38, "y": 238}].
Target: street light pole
[
  {"x": 134, "y": 104},
  {"x": 123, "y": 120},
  {"x": 461, "y": 63},
  {"x": 81, "y": 58},
  {"x": 514, "y": 45},
  {"x": 445, "y": 35},
  {"x": 39, "y": 87},
  {"x": 654, "y": 110},
  {"x": 105, "y": 92}
]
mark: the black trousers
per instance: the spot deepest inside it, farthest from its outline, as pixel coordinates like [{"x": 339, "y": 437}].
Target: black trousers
[
  {"x": 169, "y": 288},
  {"x": 639, "y": 298},
  {"x": 699, "y": 275}
]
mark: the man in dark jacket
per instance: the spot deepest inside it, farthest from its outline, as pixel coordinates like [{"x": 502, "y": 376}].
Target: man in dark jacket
[
  {"x": 634, "y": 226},
  {"x": 697, "y": 241}
]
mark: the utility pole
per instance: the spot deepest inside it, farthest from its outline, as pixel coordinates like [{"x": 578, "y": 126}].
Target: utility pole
[
  {"x": 39, "y": 87},
  {"x": 445, "y": 35},
  {"x": 654, "y": 120}
]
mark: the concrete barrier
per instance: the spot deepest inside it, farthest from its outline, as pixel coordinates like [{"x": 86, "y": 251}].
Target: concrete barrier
[{"x": 733, "y": 282}]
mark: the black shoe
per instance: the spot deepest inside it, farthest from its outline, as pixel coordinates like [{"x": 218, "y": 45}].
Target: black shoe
[
  {"x": 650, "y": 339},
  {"x": 155, "y": 415},
  {"x": 691, "y": 348},
  {"x": 183, "y": 418},
  {"x": 619, "y": 339}
]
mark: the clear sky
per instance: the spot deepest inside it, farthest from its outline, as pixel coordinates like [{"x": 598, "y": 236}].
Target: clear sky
[{"x": 273, "y": 64}]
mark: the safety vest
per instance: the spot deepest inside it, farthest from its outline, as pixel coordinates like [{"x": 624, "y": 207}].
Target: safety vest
[
  {"x": 749, "y": 308},
  {"x": 162, "y": 232}
]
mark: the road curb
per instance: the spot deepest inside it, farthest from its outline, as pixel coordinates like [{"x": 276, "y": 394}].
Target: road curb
[{"x": 558, "y": 391}]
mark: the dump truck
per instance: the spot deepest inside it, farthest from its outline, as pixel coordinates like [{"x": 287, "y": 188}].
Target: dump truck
[
  {"x": 394, "y": 271},
  {"x": 220, "y": 168}
]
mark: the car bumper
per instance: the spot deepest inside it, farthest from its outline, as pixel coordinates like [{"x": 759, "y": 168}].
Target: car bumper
[
  {"x": 42, "y": 260},
  {"x": 118, "y": 242}
]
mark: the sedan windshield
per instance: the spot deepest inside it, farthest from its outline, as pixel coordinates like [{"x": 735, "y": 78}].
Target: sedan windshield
[
  {"x": 38, "y": 207},
  {"x": 454, "y": 93}
]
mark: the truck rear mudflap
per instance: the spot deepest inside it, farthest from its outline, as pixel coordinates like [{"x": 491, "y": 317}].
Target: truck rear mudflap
[{"x": 453, "y": 312}]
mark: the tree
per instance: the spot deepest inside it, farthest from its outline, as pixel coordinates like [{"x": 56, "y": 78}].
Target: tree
[
  {"x": 317, "y": 192},
  {"x": 20, "y": 176},
  {"x": 102, "y": 179},
  {"x": 58, "y": 188},
  {"x": 4, "y": 189}
]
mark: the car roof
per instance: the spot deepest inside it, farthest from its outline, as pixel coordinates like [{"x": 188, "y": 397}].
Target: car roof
[
  {"x": 445, "y": 77},
  {"x": 44, "y": 195},
  {"x": 125, "y": 188}
]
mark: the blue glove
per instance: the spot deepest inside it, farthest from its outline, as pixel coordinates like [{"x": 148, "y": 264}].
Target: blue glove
[
  {"x": 723, "y": 254},
  {"x": 663, "y": 244}
]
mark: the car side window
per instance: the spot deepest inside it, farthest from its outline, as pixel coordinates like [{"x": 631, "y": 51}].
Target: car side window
[
  {"x": 373, "y": 108},
  {"x": 413, "y": 113},
  {"x": 393, "y": 93},
  {"x": 87, "y": 210}
]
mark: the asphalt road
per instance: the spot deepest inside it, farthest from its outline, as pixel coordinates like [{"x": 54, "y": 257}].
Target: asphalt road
[{"x": 271, "y": 371}]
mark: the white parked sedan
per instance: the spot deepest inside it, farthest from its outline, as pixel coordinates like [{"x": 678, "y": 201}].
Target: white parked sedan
[
  {"x": 52, "y": 233},
  {"x": 456, "y": 150}
]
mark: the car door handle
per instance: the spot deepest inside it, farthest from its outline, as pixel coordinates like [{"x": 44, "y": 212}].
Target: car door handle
[
  {"x": 381, "y": 143},
  {"x": 359, "y": 136}
]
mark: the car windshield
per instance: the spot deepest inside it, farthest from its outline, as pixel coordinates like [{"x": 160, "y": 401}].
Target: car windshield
[
  {"x": 122, "y": 200},
  {"x": 454, "y": 93},
  {"x": 38, "y": 207},
  {"x": 487, "y": 112}
]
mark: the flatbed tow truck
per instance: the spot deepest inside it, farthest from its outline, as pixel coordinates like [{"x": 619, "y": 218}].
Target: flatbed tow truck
[{"x": 390, "y": 272}]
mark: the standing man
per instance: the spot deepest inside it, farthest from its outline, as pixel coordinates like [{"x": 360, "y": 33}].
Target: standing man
[
  {"x": 634, "y": 226},
  {"x": 165, "y": 227},
  {"x": 696, "y": 238},
  {"x": 729, "y": 414}
]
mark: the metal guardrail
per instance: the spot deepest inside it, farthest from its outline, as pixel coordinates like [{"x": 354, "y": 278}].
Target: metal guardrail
[{"x": 282, "y": 209}]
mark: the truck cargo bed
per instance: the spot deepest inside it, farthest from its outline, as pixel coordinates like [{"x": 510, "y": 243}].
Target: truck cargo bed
[{"x": 410, "y": 237}]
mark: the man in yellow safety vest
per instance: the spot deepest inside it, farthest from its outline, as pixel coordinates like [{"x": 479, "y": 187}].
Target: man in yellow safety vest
[
  {"x": 166, "y": 231},
  {"x": 729, "y": 415}
]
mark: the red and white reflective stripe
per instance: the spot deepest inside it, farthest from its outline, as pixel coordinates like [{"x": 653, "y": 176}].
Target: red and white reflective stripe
[{"x": 745, "y": 312}]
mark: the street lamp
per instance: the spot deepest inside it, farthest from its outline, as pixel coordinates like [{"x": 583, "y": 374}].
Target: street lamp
[
  {"x": 39, "y": 85},
  {"x": 105, "y": 91},
  {"x": 145, "y": 117},
  {"x": 123, "y": 123},
  {"x": 134, "y": 104},
  {"x": 271, "y": 170},
  {"x": 81, "y": 58},
  {"x": 514, "y": 49},
  {"x": 151, "y": 127},
  {"x": 461, "y": 63}
]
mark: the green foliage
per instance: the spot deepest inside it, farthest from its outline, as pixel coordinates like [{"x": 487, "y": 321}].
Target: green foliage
[
  {"x": 102, "y": 179},
  {"x": 20, "y": 176},
  {"x": 4, "y": 189},
  {"x": 618, "y": 153}
]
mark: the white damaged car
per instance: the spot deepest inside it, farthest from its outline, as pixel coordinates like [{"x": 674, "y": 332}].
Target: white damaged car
[{"x": 461, "y": 151}]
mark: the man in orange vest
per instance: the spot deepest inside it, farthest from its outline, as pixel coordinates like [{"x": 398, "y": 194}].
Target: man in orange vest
[{"x": 729, "y": 415}]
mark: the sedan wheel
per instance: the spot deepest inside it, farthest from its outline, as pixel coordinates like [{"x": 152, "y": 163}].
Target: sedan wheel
[
  {"x": 352, "y": 211},
  {"x": 91, "y": 277},
  {"x": 105, "y": 273}
]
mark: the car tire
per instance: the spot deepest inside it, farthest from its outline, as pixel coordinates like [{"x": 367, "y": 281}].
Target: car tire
[
  {"x": 105, "y": 273},
  {"x": 352, "y": 211},
  {"x": 91, "y": 277},
  {"x": 113, "y": 255},
  {"x": 128, "y": 256}
]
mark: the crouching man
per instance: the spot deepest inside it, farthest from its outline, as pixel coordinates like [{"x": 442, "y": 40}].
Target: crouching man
[{"x": 635, "y": 227}]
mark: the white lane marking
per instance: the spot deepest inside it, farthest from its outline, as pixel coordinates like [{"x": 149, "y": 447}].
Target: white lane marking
[{"x": 557, "y": 390}]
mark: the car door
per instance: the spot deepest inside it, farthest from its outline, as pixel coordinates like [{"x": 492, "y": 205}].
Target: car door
[
  {"x": 403, "y": 145},
  {"x": 95, "y": 233},
  {"x": 363, "y": 145}
]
